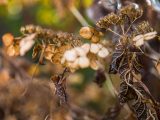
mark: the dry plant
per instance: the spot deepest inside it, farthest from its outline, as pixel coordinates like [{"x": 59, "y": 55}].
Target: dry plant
[{"x": 71, "y": 53}]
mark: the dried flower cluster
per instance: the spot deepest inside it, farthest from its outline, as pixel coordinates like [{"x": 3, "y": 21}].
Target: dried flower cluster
[
  {"x": 48, "y": 44},
  {"x": 129, "y": 12},
  {"x": 132, "y": 12},
  {"x": 84, "y": 56},
  {"x": 126, "y": 60},
  {"x": 109, "y": 20}
]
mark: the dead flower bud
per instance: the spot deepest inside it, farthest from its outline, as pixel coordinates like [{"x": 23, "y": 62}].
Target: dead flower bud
[
  {"x": 7, "y": 39},
  {"x": 86, "y": 32}
]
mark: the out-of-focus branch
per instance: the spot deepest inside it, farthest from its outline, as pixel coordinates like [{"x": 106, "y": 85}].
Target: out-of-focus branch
[
  {"x": 79, "y": 17},
  {"x": 22, "y": 74}
]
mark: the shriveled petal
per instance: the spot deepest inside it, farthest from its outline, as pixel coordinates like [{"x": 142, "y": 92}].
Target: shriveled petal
[
  {"x": 94, "y": 48},
  {"x": 150, "y": 35},
  {"x": 26, "y": 44},
  {"x": 139, "y": 42},
  {"x": 83, "y": 62},
  {"x": 86, "y": 47},
  {"x": 80, "y": 51},
  {"x": 138, "y": 37},
  {"x": 70, "y": 55},
  {"x": 103, "y": 52}
]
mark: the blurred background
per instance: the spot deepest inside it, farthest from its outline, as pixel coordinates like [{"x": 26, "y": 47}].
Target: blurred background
[
  {"x": 49, "y": 13},
  {"x": 25, "y": 99}
]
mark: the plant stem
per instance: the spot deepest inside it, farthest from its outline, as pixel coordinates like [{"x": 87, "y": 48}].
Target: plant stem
[{"x": 79, "y": 17}]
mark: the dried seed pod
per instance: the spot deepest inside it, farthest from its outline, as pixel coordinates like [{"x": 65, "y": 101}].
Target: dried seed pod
[
  {"x": 86, "y": 32},
  {"x": 7, "y": 39}
]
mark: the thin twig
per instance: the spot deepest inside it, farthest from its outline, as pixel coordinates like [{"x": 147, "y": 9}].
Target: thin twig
[{"x": 114, "y": 32}]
